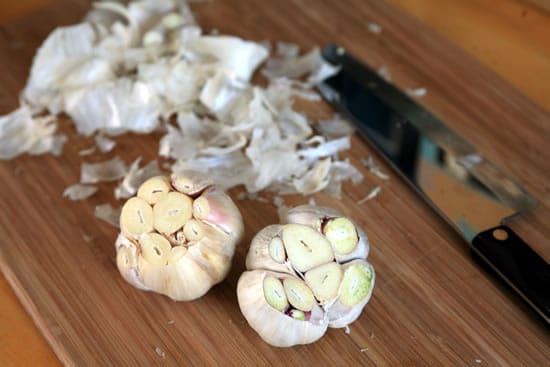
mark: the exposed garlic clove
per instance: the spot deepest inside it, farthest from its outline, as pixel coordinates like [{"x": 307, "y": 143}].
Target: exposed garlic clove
[
  {"x": 172, "y": 212},
  {"x": 299, "y": 295},
  {"x": 193, "y": 230},
  {"x": 324, "y": 281},
  {"x": 154, "y": 189},
  {"x": 274, "y": 326},
  {"x": 276, "y": 250},
  {"x": 155, "y": 248},
  {"x": 136, "y": 218},
  {"x": 275, "y": 294},
  {"x": 341, "y": 231},
  {"x": 191, "y": 183},
  {"x": 306, "y": 247},
  {"x": 126, "y": 261},
  {"x": 342, "y": 235},
  {"x": 354, "y": 293},
  {"x": 216, "y": 208},
  {"x": 259, "y": 256}
]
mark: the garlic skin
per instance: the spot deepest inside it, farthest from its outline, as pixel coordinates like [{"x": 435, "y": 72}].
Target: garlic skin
[
  {"x": 153, "y": 254},
  {"x": 276, "y": 328},
  {"x": 310, "y": 271}
]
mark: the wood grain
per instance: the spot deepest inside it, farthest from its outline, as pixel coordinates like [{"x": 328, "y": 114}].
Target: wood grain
[
  {"x": 432, "y": 304},
  {"x": 510, "y": 37}
]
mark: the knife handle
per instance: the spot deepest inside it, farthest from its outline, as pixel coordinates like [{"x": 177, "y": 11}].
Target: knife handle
[{"x": 518, "y": 264}]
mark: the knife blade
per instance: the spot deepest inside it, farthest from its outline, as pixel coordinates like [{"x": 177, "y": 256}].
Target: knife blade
[{"x": 441, "y": 166}]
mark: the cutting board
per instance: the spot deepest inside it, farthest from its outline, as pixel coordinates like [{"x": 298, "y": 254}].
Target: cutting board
[{"x": 432, "y": 304}]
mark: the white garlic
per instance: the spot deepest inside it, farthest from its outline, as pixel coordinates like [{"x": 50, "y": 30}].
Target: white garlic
[
  {"x": 305, "y": 275},
  {"x": 177, "y": 243}
]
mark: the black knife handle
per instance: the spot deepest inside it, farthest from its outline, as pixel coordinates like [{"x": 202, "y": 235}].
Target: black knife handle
[{"x": 520, "y": 266}]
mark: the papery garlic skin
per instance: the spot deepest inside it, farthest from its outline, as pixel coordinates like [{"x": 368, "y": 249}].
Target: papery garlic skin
[
  {"x": 319, "y": 258},
  {"x": 276, "y": 328},
  {"x": 153, "y": 254}
]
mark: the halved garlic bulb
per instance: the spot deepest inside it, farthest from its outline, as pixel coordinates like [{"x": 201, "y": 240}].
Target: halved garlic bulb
[
  {"x": 178, "y": 237},
  {"x": 305, "y": 275}
]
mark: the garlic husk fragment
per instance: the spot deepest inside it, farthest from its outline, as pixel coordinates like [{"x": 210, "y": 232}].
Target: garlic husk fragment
[
  {"x": 340, "y": 315},
  {"x": 275, "y": 327},
  {"x": 323, "y": 219},
  {"x": 164, "y": 248}
]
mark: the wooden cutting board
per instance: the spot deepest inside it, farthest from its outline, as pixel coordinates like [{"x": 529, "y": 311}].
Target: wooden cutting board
[{"x": 432, "y": 305}]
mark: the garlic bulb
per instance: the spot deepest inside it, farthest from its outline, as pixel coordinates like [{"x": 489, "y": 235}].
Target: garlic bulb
[
  {"x": 304, "y": 276},
  {"x": 178, "y": 236}
]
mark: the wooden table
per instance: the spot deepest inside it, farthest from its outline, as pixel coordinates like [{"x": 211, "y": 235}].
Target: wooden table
[{"x": 510, "y": 37}]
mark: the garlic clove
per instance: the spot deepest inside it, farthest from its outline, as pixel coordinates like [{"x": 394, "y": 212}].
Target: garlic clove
[
  {"x": 259, "y": 256},
  {"x": 154, "y": 189},
  {"x": 216, "y": 208},
  {"x": 306, "y": 247},
  {"x": 299, "y": 295},
  {"x": 126, "y": 261},
  {"x": 155, "y": 248},
  {"x": 354, "y": 293},
  {"x": 342, "y": 235},
  {"x": 275, "y": 293},
  {"x": 171, "y": 212},
  {"x": 191, "y": 182},
  {"x": 193, "y": 230},
  {"x": 273, "y": 326},
  {"x": 276, "y": 250},
  {"x": 136, "y": 218},
  {"x": 324, "y": 281}
]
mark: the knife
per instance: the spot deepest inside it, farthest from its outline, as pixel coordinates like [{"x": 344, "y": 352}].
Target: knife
[{"x": 441, "y": 166}]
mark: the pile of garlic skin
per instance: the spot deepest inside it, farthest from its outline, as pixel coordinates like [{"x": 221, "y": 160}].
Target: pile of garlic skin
[
  {"x": 305, "y": 276},
  {"x": 147, "y": 66},
  {"x": 178, "y": 236}
]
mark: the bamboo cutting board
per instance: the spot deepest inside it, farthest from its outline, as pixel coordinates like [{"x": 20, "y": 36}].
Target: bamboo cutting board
[{"x": 431, "y": 306}]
